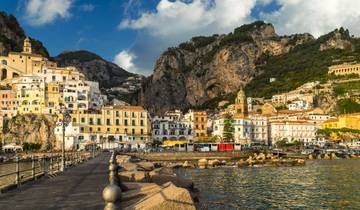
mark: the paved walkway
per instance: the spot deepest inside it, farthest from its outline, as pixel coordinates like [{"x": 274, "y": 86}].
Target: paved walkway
[{"x": 77, "y": 188}]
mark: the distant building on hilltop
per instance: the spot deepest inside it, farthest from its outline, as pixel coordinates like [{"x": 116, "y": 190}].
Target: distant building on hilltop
[{"x": 344, "y": 69}]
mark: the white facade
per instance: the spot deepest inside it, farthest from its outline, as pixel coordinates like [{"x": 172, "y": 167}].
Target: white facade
[
  {"x": 71, "y": 136},
  {"x": 299, "y": 105},
  {"x": 304, "y": 131},
  {"x": 96, "y": 98},
  {"x": 76, "y": 95},
  {"x": 169, "y": 128},
  {"x": 252, "y": 130}
]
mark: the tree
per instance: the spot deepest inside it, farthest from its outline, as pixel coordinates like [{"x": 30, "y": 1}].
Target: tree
[{"x": 228, "y": 133}]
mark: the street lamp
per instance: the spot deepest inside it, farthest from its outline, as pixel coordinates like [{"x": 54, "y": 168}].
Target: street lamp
[{"x": 65, "y": 122}]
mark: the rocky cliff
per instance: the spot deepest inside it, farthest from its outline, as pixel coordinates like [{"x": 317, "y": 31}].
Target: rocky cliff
[
  {"x": 207, "y": 67},
  {"x": 30, "y": 128},
  {"x": 113, "y": 80},
  {"x": 12, "y": 37}
]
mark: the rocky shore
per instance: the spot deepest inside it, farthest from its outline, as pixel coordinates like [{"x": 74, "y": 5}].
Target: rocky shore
[{"x": 148, "y": 185}]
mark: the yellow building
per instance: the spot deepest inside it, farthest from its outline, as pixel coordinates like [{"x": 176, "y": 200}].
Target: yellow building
[
  {"x": 52, "y": 97},
  {"x": 344, "y": 69},
  {"x": 127, "y": 124},
  {"x": 19, "y": 63},
  {"x": 30, "y": 94},
  {"x": 344, "y": 121}
]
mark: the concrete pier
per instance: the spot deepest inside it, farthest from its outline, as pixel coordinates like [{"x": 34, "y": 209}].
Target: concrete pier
[{"x": 79, "y": 187}]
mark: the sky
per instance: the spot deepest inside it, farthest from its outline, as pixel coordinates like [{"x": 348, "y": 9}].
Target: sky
[{"x": 134, "y": 33}]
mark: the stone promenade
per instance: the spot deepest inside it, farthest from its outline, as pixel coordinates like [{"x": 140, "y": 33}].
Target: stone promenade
[{"x": 77, "y": 188}]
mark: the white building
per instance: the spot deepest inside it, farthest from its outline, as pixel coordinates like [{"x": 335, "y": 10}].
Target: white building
[
  {"x": 72, "y": 132},
  {"x": 299, "y": 105},
  {"x": 250, "y": 130},
  {"x": 97, "y": 100},
  {"x": 297, "y": 130},
  {"x": 170, "y": 128}
]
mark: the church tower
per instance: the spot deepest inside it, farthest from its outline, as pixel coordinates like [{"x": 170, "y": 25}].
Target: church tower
[
  {"x": 27, "y": 46},
  {"x": 240, "y": 103}
]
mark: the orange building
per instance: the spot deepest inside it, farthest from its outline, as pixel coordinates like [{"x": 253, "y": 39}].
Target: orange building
[{"x": 198, "y": 120}]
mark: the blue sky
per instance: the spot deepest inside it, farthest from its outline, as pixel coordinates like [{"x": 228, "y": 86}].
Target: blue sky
[{"x": 133, "y": 33}]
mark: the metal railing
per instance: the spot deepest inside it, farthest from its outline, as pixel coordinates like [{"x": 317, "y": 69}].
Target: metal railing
[
  {"x": 112, "y": 192},
  {"x": 14, "y": 173}
]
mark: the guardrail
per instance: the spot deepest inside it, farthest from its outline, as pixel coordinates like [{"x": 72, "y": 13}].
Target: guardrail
[
  {"x": 112, "y": 192},
  {"x": 21, "y": 171}
]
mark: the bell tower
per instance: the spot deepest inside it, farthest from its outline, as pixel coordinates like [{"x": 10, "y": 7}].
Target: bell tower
[
  {"x": 27, "y": 46},
  {"x": 240, "y": 103}
]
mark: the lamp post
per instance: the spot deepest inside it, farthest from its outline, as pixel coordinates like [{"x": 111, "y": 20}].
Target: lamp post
[{"x": 65, "y": 122}]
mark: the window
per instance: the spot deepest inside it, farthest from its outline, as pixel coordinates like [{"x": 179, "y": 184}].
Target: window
[
  {"x": 53, "y": 78},
  {"x": 142, "y": 131},
  {"x": 117, "y": 122},
  {"x": 141, "y": 122},
  {"x": 126, "y": 130},
  {"x": 91, "y": 121},
  {"x": 82, "y": 120},
  {"x": 133, "y": 131},
  {"x": 99, "y": 121},
  {"x": 133, "y": 123},
  {"x": 125, "y": 122},
  {"x": 107, "y": 121}
]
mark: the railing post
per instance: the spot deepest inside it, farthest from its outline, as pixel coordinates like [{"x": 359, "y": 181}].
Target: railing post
[
  {"x": 112, "y": 192},
  {"x": 17, "y": 178},
  {"x": 44, "y": 164},
  {"x": 58, "y": 162},
  {"x": 33, "y": 166},
  {"x": 51, "y": 164}
]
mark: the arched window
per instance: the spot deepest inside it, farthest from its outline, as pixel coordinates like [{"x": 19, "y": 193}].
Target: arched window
[
  {"x": 3, "y": 74},
  {"x": 4, "y": 62}
]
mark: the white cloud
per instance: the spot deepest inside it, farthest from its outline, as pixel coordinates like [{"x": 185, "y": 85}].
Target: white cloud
[
  {"x": 176, "y": 21},
  {"x": 87, "y": 7},
  {"x": 125, "y": 59},
  {"x": 41, "y": 12},
  {"x": 314, "y": 16},
  {"x": 182, "y": 18}
]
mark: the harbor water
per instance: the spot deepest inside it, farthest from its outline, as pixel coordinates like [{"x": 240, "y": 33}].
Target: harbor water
[{"x": 320, "y": 184}]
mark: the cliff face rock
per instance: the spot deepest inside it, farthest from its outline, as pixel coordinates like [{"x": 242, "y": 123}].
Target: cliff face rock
[
  {"x": 12, "y": 37},
  {"x": 207, "y": 67},
  {"x": 113, "y": 80},
  {"x": 338, "y": 39},
  {"x": 31, "y": 129}
]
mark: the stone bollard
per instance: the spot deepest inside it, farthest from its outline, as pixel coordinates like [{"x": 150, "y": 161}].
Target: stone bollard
[{"x": 112, "y": 192}]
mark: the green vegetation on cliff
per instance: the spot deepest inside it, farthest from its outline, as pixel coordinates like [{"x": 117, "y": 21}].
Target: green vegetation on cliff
[{"x": 302, "y": 64}]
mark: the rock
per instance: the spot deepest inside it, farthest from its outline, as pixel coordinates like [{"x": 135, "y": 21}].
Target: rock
[
  {"x": 242, "y": 163},
  {"x": 169, "y": 198},
  {"x": 146, "y": 166},
  {"x": 203, "y": 69},
  {"x": 326, "y": 157},
  {"x": 133, "y": 176},
  {"x": 333, "y": 156},
  {"x": 31, "y": 128},
  {"x": 310, "y": 157},
  {"x": 300, "y": 161},
  {"x": 121, "y": 159},
  {"x": 176, "y": 180},
  {"x": 166, "y": 171},
  {"x": 261, "y": 156},
  {"x": 186, "y": 164},
  {"x": 223, "y": 162},
  {"x": 269, "y": 156},
  {"x": 318, "y": 156},
  {"x": 128, "y": 167},
  {"x": 202, "y": 163},
  {"x": 213, "y": 163},
  {"x": 174, "y": 165}
]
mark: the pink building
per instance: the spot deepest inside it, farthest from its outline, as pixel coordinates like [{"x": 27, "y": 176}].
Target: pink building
[{"x": 8, "y": 103}]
